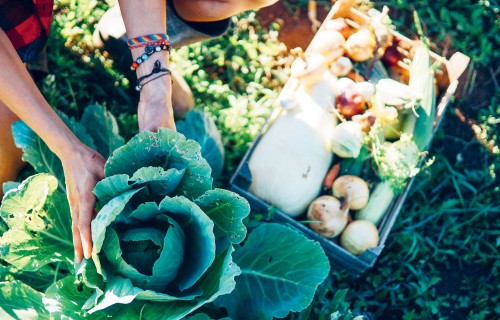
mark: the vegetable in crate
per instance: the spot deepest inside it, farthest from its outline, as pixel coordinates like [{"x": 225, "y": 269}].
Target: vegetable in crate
[
  {"x": 361, "y": 45},
  {"x": 328, "y": 216},
  {"x": 359, "y": 236},
  {"x": 347, "y": 139},
  {"x": 396, "y": 162},
  {"x": 353, "y": 189},
  {"x": 291, "y": 159},
  {"x": 352, "y": 97},
  {"x": 328, "y": 43},
  {"x": 338, "y": 25},
  {"x": 309, "y": 70}
]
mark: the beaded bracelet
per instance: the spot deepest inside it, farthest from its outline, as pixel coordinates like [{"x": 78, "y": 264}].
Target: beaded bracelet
[
  {"x": 148, "y": 38},
  {"x": 145, "y": 44},
  {"x": 148, "y": 51},
  {"x": 156, "y": 69}
]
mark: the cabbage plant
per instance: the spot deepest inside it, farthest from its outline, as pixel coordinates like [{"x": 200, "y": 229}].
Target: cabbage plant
[
  {"x": 165, "y": 241},
  {"x": 163, "y": 235}
]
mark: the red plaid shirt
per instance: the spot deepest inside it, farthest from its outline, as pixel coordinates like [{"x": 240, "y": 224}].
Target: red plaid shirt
[{"x": 27, "y": 24}]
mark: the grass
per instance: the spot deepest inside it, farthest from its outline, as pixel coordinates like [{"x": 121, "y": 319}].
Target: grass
[{"x": 441, "y": 259}]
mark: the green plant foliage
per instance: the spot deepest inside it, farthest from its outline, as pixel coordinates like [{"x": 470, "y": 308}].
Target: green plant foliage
[
  {"x": 96, "y": 124},
  {"x": 152, "y": 242},
  {"x": 20, "y": 301},
  {"x": 201, "y": 127},
  {"x": 280, "y": 266},
  {"x": 153, "y": 249},
  {"x": 163, "y": 238},
  {"x": 107, "y": 138},
  {"x": 37, "y": 216}
]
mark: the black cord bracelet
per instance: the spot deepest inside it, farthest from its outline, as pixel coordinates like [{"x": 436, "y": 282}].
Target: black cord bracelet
[{"x": 156, "y": 69}]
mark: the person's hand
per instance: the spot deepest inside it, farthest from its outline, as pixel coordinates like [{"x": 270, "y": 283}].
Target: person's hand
[
  {"x": 83, "y": 168},
  {"x": 155, "y": 105}
]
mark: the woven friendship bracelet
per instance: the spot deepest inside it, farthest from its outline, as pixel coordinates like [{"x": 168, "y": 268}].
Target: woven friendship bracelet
[
  {"x": 153, "y": 43},
  {"x": 148, "y": 38},
  {"x": 156, "y": 69},
  {"x": 148, "y": 51}
]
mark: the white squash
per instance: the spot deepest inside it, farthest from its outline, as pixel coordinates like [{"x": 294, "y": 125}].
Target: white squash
[{"x": 293, "y": 156}]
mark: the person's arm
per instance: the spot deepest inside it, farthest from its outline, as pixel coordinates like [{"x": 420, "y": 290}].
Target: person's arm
[
  {"x": 83, "y": 167},
  {"x": 155, "y": 105}
]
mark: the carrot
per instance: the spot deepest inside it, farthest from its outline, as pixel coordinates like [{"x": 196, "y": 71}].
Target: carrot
[{"x": 331, "y": 176}]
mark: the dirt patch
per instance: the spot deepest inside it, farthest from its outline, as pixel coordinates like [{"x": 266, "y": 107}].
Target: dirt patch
[{"x": 296, "y": 28}]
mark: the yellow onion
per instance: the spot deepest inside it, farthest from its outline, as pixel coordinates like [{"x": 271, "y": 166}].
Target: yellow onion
[
  {"x": 338, "y": 25},
  {"x": 353, "y": 188},
  {"x": 360, "y": 45},
  {"x": 329, "y": 216},
  {"x": 310, "y": 69},
  {"x": 347, "y": 139},
  {"x": 341, "y": 67},
  {"x": 359, "y": 236},
  {"x": 330, "y": 44}
]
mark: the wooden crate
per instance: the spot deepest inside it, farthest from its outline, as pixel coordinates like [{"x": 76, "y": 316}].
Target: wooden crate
[{"x": 340, "y": 258}]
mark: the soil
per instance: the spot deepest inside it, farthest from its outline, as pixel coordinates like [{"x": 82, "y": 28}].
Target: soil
[{"x": 296, "y": 28}]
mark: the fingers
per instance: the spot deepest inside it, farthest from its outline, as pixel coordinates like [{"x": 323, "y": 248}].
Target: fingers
[
  {"x": 82, "y": 172},
  {"x": 77, "y": 242},
  {"x": 85, "y": 217}
]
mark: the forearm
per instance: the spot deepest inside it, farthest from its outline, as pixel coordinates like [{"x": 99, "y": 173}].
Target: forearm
[
  {"x": 155, "y": 106},
  {"x": 20, "y": 94},
  {"x": 143, "y": 18}
]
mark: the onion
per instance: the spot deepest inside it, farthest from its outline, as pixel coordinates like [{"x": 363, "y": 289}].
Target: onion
[
  {"x": 331, "y": 214},
  {"x": 350, "y": 103},
  {"x": 330, "y": 44},
  {"x": 343, "y": 84},
  {"x": 354, "y": 188},
  {"x": 310, "y": 70},
  {"x": 366, "y": 89},
  {"x": 361, "y": 45},
  {"x": 347, "y": 139},
  {"x": 341, "y": 67},
  {"x": 359, "y": 236}
]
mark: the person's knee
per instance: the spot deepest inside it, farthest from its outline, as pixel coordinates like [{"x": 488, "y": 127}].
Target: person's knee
[{"x": 215, "y": 10}]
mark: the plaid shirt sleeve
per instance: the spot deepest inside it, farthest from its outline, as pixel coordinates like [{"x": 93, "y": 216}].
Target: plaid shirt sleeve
[{"x": 27, "y": 24}]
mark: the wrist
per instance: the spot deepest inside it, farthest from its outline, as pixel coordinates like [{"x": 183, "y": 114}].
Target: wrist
[
  {"x": 147, "y": 65},
  {"x": 65, "y": 143},
  {"x": 159, "y": 89}
]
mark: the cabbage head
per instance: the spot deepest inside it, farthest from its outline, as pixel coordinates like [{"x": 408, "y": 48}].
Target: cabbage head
[{"x": 163, "y": 237}]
